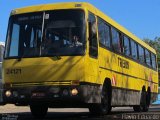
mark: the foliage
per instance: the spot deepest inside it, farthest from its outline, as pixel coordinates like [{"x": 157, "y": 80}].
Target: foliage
[{"x": 155, "y": 44}]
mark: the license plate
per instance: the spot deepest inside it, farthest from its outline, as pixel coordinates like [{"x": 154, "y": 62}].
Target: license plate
[{"x": 38, "y": 94}]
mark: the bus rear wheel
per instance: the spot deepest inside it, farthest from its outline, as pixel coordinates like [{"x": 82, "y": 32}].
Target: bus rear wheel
[
  {"x": 144, "y": 103},
  {"x": 39, "y": 110},
  {"x": 104, "y": 107}
]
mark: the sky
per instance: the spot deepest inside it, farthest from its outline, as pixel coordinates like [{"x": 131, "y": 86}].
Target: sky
[{"x": 141, "y": 17}]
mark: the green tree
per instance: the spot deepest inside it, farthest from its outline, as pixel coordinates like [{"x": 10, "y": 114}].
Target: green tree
[{"x": 155, "y": 44}]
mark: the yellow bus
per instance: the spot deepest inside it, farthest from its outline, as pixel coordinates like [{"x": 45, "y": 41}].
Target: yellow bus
[{"x": 72, "y": 55}]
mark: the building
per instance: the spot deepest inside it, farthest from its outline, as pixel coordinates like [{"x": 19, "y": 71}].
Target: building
[
  {"x": 2, "y": 44},
  {"x": 1, "y": 58}
]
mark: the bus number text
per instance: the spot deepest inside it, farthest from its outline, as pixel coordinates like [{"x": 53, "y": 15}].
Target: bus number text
[{"x": 13, "y": 71}]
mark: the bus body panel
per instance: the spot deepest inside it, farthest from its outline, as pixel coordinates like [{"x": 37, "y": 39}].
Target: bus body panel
[
  {"x": 126, "y": 75},
  {"x": 34, "y": 70}
]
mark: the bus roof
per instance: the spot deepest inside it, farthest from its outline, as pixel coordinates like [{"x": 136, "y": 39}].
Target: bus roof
[{"x": 83, "y": 5}]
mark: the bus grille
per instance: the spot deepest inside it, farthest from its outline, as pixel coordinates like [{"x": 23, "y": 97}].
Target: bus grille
[{"x": 56, "y": 83}]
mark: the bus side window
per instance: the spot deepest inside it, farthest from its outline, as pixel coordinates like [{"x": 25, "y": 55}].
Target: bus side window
[
  {"x": 93, "y": 44},
  {"x": 148, "y": 57},
  {"x": 104, "y": 33},
  {"x": 134, "y": 50},
  {"x": 141, "y": 54},
  {"x": 116, "y": 40},
  {"x": 153, "y": 57},
  {"x": 126, "y": 46}
]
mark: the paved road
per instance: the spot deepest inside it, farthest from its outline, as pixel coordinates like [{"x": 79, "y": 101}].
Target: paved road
[{"x": 11, "y": 112}]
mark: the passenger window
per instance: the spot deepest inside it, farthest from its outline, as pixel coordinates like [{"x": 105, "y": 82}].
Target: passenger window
[
  {"x": 126, "y": 46},
  {"x": 148, "y": 57},
  {"x": 134, "y": 50},
  {"x": 104, "y": 33},
  {"x": 116, "y": 43},
  {"x": 153, "y": 61},
  {"x": 141, "y": 54}
]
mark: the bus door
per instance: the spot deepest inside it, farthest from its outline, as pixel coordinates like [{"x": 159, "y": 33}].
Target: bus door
[{"x": 93, "y": 48}]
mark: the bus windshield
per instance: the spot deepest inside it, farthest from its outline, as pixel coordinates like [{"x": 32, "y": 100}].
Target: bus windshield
[{"x": 50, "y": 33}]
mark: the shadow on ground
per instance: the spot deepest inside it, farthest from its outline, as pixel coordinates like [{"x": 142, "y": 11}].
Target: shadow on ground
[{"x": 116, "y": 114}]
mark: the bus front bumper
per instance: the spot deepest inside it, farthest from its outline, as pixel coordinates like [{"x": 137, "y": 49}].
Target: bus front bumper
[{"x": 69, "y": 96}]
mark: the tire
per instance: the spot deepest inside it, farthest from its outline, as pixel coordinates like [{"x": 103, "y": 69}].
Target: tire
[
  {"x": 110, "y": 109},
  {"x": 105, "y": 106},
  {"x": 39, "y": 110},
  {"x": 137, "y": 108},
  {"x": 144, "y": 106},
  {"x": 148, "y": 97}
]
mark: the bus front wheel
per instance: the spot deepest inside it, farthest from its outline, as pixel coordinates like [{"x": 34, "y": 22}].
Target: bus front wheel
[
  {"x": 105, "y": 106},
  {"x": 39, "y": 110}
]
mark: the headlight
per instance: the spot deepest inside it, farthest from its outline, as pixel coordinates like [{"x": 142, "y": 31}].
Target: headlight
[
  {"x": 8, "y": 93},
  {"x": 74, "y": 91}
]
